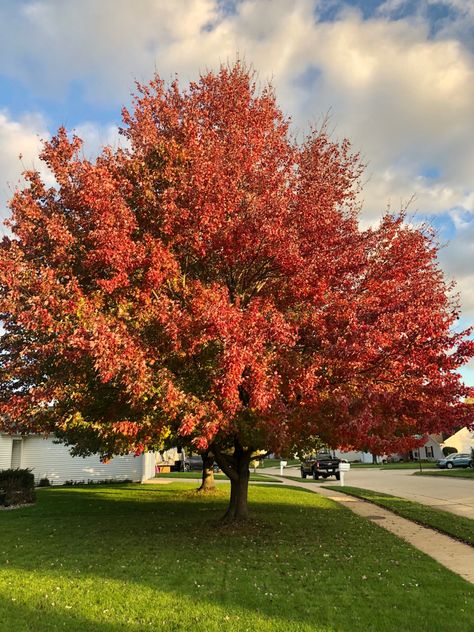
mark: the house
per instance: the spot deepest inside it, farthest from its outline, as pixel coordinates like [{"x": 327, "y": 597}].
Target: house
[
  {"x": 462, "y": 440},
  {"x": 356, "y": 457},
  {"x": 430, "y": 451},
  {"x": 53, "y": 461}
]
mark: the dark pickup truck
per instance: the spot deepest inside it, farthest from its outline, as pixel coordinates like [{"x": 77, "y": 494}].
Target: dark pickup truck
[{"x": 320, "y": 465}]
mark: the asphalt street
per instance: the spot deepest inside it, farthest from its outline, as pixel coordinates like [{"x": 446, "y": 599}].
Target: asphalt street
[{"x": 450, "y": 494}]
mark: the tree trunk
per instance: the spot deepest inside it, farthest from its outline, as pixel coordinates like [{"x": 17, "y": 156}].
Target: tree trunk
[
  {"x": 236, "y": 467},
  {"x": 230, "y": 513},
  {"x": 241, "y": 511},
  {"x": 207, "y": 483}
]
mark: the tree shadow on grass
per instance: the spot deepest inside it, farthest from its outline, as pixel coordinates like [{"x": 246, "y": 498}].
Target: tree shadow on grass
[{"x": 165, "y": 545}]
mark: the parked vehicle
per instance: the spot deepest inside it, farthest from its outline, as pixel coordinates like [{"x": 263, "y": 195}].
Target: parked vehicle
[
  {"x": 195, "y": 463},
  {"x": 455, "y": 460},
  {"x": 320, "y": 465}
]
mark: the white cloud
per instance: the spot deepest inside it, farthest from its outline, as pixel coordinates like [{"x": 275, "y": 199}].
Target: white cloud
[
  {"x": 457, "y": 261},
  {"x": 95, "y": 137},
  {"x": 106, "y": 45},
  {"x": 402, "y": 96},
  {"x": 20, "y": 143},
  {"x": 468, "y": 373}
]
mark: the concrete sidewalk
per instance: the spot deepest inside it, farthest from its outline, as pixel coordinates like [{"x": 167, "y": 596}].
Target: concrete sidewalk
[{"x": 454, "y": 555}]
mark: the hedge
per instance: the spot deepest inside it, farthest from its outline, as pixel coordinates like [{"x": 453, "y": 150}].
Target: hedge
[{"x": 17, "y": 487}]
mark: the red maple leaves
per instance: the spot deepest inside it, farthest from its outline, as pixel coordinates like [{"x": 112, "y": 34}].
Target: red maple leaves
[{"x": 211, "y": 281}]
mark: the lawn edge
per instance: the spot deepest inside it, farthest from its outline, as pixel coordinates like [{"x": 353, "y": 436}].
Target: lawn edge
[
  {"x": 442, "y": 474},
  {"x": 401, "y": 515}
]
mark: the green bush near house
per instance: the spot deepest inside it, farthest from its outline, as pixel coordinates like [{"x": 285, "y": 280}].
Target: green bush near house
[
  {"x": 17, "y": 487},
  {"x": 447, "y": 450}
]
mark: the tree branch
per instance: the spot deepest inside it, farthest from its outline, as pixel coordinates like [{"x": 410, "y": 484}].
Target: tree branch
[{"x": 225, "y": 462}]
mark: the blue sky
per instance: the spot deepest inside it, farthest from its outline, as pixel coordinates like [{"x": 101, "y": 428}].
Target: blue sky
[{"x": 395, "y": 76}]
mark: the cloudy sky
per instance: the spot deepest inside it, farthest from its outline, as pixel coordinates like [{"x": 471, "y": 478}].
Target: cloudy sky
[{"x": 395, "y": 76}]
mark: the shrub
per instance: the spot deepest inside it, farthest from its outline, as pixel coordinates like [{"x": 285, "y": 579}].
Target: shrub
[
  {"x": 44, "y": 482},
  {"x": 17, "y": 487},
  {"x": 447, "y": 450},
  {"x": 90, "y": 481}
]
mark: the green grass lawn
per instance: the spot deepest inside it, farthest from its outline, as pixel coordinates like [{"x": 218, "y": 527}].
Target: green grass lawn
[
  {"x": 396, "y": 466},
  {"x": 131, "y": 557},
  {"x": 276, "y": 462},
  {"x": 457, "y": 526},
  {"x": 218, "y": 477},
  {"x": 309, "y": 479},
  {"x": 461, "y": 473}
]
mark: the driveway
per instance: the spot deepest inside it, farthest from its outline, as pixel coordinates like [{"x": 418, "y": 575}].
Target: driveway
[{"x": 450, "y": 494}]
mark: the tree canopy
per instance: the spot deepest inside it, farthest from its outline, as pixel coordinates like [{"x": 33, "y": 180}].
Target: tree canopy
[{"x": 210, "y": 282}]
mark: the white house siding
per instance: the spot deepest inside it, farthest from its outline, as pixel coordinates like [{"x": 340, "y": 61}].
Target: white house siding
[
  {"x": 359, "y": 457},
  {"x": 463, "y": 441},
  {"x": 431, "y": 450},
  {"x": 168, "y": 456},
  {"x": 5, "y": 452},
  {"x": 148, "y": 468},
  {"x": 53, "y": 461}
]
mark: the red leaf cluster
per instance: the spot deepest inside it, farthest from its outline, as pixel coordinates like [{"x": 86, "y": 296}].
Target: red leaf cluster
[{"x": 211, "y": 282}]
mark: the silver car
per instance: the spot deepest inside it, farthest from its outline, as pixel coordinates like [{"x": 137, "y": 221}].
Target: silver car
[{"x": 455, "y": 460}]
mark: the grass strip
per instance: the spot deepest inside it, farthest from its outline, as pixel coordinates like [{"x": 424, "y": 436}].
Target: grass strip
[
  {"x": 218, "y": 477},
  {"x": 309, "y": 479},
  {"x": 457, "y": 527},
  {"x": 394, "y": 466},
  {"x": 462, "y": 473},
  {"x": 276, "y": 462}
]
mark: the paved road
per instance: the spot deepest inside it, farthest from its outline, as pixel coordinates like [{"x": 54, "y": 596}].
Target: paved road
[{"x": 451, "y": 494}]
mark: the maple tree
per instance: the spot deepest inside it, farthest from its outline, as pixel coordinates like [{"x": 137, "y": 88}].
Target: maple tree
[{"x": 209, "y": 284}]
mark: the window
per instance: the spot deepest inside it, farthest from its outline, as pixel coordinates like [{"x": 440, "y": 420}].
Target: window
[{"x": 429, "y": 452}]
